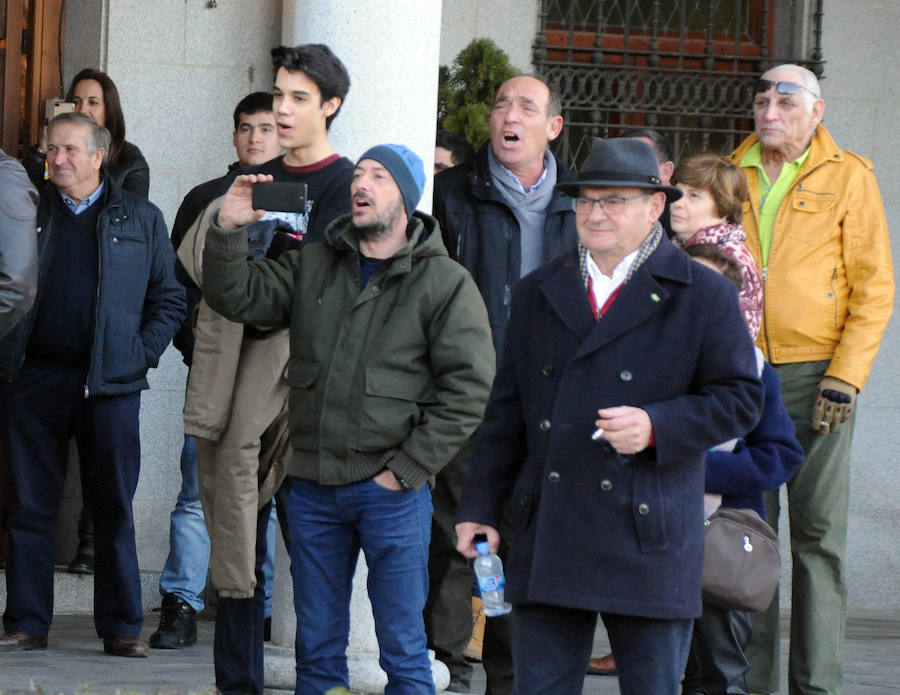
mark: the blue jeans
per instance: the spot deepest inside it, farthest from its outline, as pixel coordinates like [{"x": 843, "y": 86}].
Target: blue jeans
[
  {"x": 184, "y": 573},
  {"x": 185, "y": 570},
  {"x": 268, "y": 567},
  {"x": 328, "y": 526}
]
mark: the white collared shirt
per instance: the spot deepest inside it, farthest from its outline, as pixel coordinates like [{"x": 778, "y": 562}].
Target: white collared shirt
[{"x": 603, "y": 285}]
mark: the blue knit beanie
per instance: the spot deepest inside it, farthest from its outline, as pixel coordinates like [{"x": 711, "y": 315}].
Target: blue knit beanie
[{"x": 407, "y": 169}]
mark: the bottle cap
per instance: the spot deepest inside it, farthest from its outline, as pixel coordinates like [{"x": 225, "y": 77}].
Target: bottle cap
[{"x": 482, "y": 548}]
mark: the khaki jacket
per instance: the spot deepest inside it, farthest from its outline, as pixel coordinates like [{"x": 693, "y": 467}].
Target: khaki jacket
[
  {"x": 236, "y": 396},
  {"x": 829, "y": 283}
]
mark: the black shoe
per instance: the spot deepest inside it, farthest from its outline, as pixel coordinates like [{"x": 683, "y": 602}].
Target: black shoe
[
  {"x": 177, "y": 625},
  {"x": 83, "y": 562}
]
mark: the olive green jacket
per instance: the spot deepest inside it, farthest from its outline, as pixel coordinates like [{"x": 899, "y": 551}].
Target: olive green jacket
[{"x": 396, "y": 374}]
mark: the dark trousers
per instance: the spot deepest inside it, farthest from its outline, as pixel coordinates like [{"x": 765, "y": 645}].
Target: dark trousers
[
  {"x": 717, "y": 664},
  {"x": 448, "y": 610},
  {"x": 238, "y": 643},
  {"x": 497, "y": 649},
  {"x": 552, "y": 648},
  {"x": 41, "y": 411}
]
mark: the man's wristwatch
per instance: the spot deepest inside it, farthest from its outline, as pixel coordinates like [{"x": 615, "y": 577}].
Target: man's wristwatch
[{"x": 401, "y": 481}]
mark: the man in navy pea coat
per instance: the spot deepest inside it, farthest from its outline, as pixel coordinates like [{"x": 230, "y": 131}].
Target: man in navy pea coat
[{"x": 624, "y": 363}]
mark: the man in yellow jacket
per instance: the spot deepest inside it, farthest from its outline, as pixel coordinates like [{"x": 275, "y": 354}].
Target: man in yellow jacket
[{"x": 816, "y": 227}]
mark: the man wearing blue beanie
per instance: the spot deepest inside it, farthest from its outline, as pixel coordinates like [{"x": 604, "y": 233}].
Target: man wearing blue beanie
[
  {"x": 390, "y": 369},
  {"x": 407, "y": 169}
]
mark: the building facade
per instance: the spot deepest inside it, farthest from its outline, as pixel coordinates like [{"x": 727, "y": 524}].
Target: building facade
[{"x": 181, "y": 65}]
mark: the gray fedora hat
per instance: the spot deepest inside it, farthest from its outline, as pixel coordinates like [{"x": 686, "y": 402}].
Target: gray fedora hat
[{"x": 620, "y": 162}]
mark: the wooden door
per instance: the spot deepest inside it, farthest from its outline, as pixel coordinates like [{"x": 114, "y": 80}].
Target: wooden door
[{"x": 31, "y": 34}]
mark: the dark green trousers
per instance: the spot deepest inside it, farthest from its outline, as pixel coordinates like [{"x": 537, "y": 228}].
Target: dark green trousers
[{"x": 817, "y": 504}]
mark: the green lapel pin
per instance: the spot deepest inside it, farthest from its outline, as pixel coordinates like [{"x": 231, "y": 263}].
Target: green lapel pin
[{"x": 654, "y": 296}]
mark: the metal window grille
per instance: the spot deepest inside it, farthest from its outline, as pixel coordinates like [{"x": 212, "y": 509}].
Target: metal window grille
[{"x": 685, "y": 68}]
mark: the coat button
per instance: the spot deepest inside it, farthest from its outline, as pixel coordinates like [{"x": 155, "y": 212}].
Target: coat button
[
  {"x": 625, "y": 375},
  {"x": 553, "y": 477},
  {"x": 547, "y": 370},
  {"x": 605, "y": 485},
  {"x": 375, "y": 289},
  {"x": 643, "y": 508},
  {"x": 544, "y": 425}
]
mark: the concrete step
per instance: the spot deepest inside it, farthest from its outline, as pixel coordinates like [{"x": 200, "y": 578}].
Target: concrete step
[{"x": 74, "y": 593}]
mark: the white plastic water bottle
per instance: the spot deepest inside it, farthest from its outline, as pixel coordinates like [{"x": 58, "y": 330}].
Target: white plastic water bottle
[{"x": 489, "y": 571}]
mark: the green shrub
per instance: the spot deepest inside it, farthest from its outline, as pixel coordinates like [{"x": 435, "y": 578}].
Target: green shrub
[{"x": 466, "y": 89}]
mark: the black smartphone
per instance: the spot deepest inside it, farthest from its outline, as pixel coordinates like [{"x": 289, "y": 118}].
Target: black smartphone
[{"x": 279, "y": 196}]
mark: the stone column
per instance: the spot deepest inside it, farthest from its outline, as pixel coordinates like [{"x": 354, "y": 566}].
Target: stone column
[{"x": 391, "y": 50}]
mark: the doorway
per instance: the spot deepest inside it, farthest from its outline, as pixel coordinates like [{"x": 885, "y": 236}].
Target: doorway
[{"x": 31, "y": 39}]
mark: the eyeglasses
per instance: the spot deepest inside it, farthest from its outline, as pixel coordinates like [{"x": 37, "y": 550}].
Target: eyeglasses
[
  {"x": 611, "y": 205},
  {"x": 782, "y": 87}
]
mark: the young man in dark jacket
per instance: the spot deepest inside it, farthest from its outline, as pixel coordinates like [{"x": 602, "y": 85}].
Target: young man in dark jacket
[
  {"x": 501, "y": 218},
  {"x": 390, "y": 364},
  {"x": 107, "y": 305}
]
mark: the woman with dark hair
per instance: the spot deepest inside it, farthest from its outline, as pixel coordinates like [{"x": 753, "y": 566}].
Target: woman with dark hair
[{"x": 94, "y": 94}]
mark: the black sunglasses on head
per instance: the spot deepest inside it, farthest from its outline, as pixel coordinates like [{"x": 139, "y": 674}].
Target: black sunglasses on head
[{"x": 782, "y": 87}]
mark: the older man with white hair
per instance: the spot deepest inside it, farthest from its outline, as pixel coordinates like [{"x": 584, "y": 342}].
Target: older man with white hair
[{"x": 817, "y": 229}]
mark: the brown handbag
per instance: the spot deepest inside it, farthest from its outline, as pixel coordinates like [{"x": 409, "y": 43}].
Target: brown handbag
[{"x": 742, "y": 561}]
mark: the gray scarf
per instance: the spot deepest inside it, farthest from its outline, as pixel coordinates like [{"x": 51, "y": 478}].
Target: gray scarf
[{"x": 530, "y": 208}]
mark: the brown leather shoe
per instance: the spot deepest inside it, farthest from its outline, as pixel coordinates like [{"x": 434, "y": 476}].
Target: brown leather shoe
[
  {"x": 126, "y": 645},
  {"x": 604, "y": 666},
  {"x": 18, "y": 641}
]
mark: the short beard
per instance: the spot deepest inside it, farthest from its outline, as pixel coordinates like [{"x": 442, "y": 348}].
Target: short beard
[
  {"x": 372, "y": 231},
  {"x": 381, "y": 226}
]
